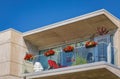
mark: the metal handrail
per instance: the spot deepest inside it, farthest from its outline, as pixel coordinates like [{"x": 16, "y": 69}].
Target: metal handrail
[{"x": 81, "y": 47}]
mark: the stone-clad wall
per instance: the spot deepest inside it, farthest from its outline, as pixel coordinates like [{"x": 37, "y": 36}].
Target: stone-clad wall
[
  {"x": 18, "y": 49},
  {"x": 12, "y": 51},
  {"x": 116, "y": 40},
  {"x": 5, "y": 53}
]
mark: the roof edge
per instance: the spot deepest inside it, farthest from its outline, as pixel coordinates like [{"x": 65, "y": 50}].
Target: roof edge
[
  {"x": 11, "y": 29},
  {"x": 111, "y": 14},
  {"x": 113, "y": 18}
]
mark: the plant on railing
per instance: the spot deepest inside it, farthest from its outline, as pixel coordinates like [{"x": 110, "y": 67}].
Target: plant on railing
[
  {"x": 90, "y": 44},
  {"x": 68, "y": 49},
  {"x": 49, "y": 52},
  {"x": 28, "y": 57},
  {"x": 102, "y": 30},
  {"x": 79, "y": 60}
]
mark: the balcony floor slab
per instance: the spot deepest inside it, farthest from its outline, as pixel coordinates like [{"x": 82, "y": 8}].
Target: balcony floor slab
[{"x": 96, "y": 70}]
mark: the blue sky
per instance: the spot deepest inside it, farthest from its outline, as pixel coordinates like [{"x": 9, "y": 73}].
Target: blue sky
[{"x": 25, "y": 15}]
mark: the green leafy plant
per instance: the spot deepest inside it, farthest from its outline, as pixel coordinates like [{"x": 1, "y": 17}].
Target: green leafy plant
[{"x": 79, "y": 60}]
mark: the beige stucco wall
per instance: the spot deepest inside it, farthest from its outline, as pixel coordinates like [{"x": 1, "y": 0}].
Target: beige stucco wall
[
  {"x": 12, "y": 51},
  {"x": 116, "y": 40},
  {"x": 17, "y": 53},
  {"x": 4, "y": 53}
]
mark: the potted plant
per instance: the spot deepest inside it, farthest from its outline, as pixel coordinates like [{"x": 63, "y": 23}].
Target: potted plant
[
  {"x": 68, "y": 49},
  {"x": 28, "y": 57},
  {"x": 90, "y": 44},
  {"x": 28, "y": 65},
  {"x": 49, "y": 52},
  {"x": 102, "y": 30},
  {"x": 79, "y": 60}
]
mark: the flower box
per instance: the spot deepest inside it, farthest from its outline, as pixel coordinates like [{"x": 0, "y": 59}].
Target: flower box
[
  {"x": 49, "y": 52},
  {"x": 27, "y": 67},
  {"x": 28, "y": 57},
  {"x": 90, "y": 44},
  {"x": 68, "y": 49}
]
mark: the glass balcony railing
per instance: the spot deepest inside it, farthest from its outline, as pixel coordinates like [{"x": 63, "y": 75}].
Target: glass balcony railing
[{"x": 80, "y": 55}]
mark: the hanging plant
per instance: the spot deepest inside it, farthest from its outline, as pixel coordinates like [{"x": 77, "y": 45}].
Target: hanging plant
[
  {"x": 102, "y": 30},
  {"x": 90, "y": 44},
  {"x": 28, "y": 56},
  {"x": 49, "y": 52},
  {"x": 68, "y": 49}
]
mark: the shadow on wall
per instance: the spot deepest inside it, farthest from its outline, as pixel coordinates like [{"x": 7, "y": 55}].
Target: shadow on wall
[{"x": 31, "y": 48}]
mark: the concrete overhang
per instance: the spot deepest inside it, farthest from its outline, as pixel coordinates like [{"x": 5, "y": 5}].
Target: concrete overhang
[
  {"x": 78, "y": 28},
  {"x": 99, "y": 70}
]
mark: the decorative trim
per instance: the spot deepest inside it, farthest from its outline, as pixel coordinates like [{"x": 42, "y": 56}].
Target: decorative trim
[{"x": 78, "y": 68}]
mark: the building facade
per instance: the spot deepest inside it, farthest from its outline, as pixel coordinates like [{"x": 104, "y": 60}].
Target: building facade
[{"x": 86, "y": 47}]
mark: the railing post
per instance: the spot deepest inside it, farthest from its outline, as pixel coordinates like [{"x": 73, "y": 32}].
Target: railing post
[{"x": 109, "y": 53}]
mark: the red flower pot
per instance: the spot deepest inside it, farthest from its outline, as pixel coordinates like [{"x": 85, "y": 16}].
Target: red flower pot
[
  {"x": 90, "y": 44},
  {"x": 28, "y": 56},
  {"x": 49, "y": 53},
  {"x": 68, "y": 49}
]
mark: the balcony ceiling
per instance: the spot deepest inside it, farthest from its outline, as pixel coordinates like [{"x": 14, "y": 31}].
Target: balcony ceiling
[{"x": 78, "y": 30}]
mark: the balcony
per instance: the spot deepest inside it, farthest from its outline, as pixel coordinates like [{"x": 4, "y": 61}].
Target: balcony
[
  {"x": 81, "y": 61},
  {"x": 81, "y": 55}
]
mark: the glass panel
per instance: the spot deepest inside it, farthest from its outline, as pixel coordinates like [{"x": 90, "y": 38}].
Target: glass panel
[
  {"x": 43, "y": 60},
  {"x": 102, "y": 48},
  {"x": 67, "y": 58},
  {"x": 102, "y": 52}
]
